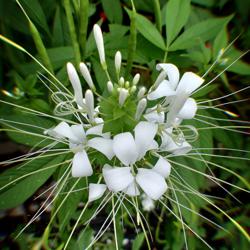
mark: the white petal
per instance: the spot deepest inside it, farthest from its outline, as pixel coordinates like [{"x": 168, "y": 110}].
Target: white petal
[
  {"x": 162, "y": 76},
  {"x": 132, "y": 189},
  {"x": 144, "y": 137},
  {"x": 81, "y": 165},
  {"x": 117, "y": 178},
  {"x": 152, "y": 183},
  {"x": 103, "y": 145},
  {"x": 154, "y": 116},
  {"x": 164, "y": 89},
  {"x": 96, "y": 130},
  {"x": 96, "y": 191},
  {"x": 188, "y": 110},
  {"x": 125, "y": 148},
  {"x": 99, "y": 42},
  {"x": 64, "y": 130},
  {"x": 86, "y": 75},
  {"x": 189, "y": 82},
  {"x": 79, "y": 132},
  {"x": 162, "y": 167},
  {"x": 147, "y": 203},
  {"x": 172, "y": 72},
  {"x": 76, "y": 84},
  {"x": 174, "y": 148},
  {"x": 175, "y": 107}
]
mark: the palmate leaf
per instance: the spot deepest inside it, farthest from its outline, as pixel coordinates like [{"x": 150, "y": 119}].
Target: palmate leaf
[
  {"x": 204, "y": 31},
  {"x": 177, "y": 13},
  {"x": 148, "y": 30},
  {"x": 24, "y": 188}
]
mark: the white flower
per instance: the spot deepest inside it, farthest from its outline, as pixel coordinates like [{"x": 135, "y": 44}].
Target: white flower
[
  {"x": 151, "y": 181},
  {"x": 78, "y": 142},
  {"x": 178, "y": 92},
  {"x": 129, "y": 149}
]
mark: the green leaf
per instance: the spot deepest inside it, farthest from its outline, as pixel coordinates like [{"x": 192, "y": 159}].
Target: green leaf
[
  {"x": 177, "y": 13},
  {"x": 220, "y": 42},
  {"x": 148, "y": 30},
  {"x": 137, "y": 243},
  {"x": 203, "y": 31},
  {"x": 113, "y": 10},
  {"x": 84, "y": 239},
  {"x": 26, "y": 187},
  {"x": 68, "y": 209},
  {"x": 25, "y": 125}
]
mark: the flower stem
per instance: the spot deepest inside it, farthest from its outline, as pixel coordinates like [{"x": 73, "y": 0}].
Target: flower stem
[
  {"x": 157, "y": 10},
  {"x": 83, "y": 15},
  {"x": 132, "y": 40},
  {"x": 72, "y": 31},
  {"x": 38, "y": 42}
]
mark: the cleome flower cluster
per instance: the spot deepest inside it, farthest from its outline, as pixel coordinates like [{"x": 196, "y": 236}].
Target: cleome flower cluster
[{"x": 135, "y": 129}]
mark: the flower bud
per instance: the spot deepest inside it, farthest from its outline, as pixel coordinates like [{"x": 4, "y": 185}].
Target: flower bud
[
  {"x": 118, "y": 62},
  {"x": 121, "y": 81},
  {"x": 141, "y": 106},
  {"x": 123, "y": 96},
  {"x": 76, "y": 84},
  {"x": 110, "y": 86},
  {"x": 100, "y": 45},
  {"x": 133, "y": 89},
  {"x": 141, "y": 92},
  {"x": 136, "y": 79},
  {"x": 86, "y": 75},
  {"x": 89, "y": 101},
  {"x": 127, "y": 84}
]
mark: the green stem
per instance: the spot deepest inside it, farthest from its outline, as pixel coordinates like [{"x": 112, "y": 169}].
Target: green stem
[
  {"x": 165, "y": 56},
  {"x": 72, "y": 31},
  {"x": 83, "y": 15},
  {"x": 132, "y": 41},
  {"x": 157, "y": 11},
  {"x": 38, "y": 41},
  {"x": 40, "y": 47}
]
